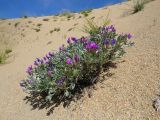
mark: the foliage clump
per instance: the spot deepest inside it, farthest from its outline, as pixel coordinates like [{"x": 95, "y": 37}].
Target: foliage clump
[
  {"x": 86, "y": 12},
  {"x": 61, "y": 74},
  {"x": 4, "y": 55},
  {"x": 138, "y": 5}
]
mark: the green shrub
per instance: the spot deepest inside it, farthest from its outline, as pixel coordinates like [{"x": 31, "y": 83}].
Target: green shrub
[
  {"x": 138, "y": 5},
  {"x": 7, "y": 51},
  {"x": 16, "y": 24},
  {"x": 62, "y": 74},
  {"x": 57, "y": 29},
  {"x": 51, "y": 31},
  {"x": 36, "y": 29},
  {"x": 3, "y": 57},
  {"x": 39, "y": 24},
  {"x": 86, "y": 12},
  {"x": 46, "y": 19},
  {"x": 25, "y": 16},
  {"x": 67, "y": 14}
]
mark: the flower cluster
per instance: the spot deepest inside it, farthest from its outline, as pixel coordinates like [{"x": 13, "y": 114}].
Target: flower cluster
[{"x": 60, "y": 73}]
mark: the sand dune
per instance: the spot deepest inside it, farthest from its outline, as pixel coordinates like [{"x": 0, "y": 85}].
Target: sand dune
[{"x": 126, "y": 95}]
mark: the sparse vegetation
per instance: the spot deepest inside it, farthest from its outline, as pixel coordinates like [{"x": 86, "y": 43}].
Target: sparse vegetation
[
  {"x": 7, "y": 51},
  {"x": 138, "y": 5},
  {"x": 92, "y": 17},
  {"x": 23, "y": 35},
  {"x": 16, "y": 24},
  {"x": 67, "y": 14},
  {"x": 4, "y": 55},
  {"x": 36, "y": 29},
  {"x": 39, "y": 24},
  {"x": 57, "y": 29},
  {"x": 75, "y": 24},
  {"x": 80, "y": 17},
  {"x": 25, "y": 16},
  {"x": 9, "y": 23},
  {"x": 70, "y": 29},
  {"x": 51, "y": 31},
  {"x": 46, "y": 19},
  {"x": 86, "y": 12},
  {"x": 29, "y": 21}
]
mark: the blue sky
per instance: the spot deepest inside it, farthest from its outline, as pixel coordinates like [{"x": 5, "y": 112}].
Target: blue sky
[{"x": 19, "y": 8}]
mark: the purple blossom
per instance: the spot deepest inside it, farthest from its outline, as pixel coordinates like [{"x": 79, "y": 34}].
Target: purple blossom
[
  {"x": 62, "y": 48},
  {"x": 22, "y": 84},
  {"x": 129, "y": 36},
  {"x": 74, "y": 39},
  {"x": 111, "y": 27},
  {"x": 69, "y": 61},
  {"x": 69, "y": 41},
  {"x": 47, "y": 62},
  {"x": 44, "y": 58},
  {"x": 38, "y": 60},
  {"x": 51, "y": 54},
  {"x": 36, "y": 63},
  {"x": 47, "y": 56},
  {"x": 106, "y": 42},
  {"x": 91, "y": 46},
  {"x": 113, "y": 42},
  {"x": 83, "y": 39},
  {"x": 49, "y": 73},
  {"x": 60, "y": 82},
  {"x": 76, "y": 58},
  {"x": 29, "y": 70},
  {"x": 30, "y": 81},
  {"x": 106, "y": 28},
  {"x": 41, "y": 61}
]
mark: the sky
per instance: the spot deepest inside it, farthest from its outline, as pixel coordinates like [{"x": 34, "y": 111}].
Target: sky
[{"x": 19, "y": 8}]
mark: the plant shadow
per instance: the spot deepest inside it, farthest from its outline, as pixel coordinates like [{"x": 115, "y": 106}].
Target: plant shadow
[{"x": 37, "y": 101}]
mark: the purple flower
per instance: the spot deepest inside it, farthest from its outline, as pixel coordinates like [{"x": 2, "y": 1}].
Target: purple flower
[
  {"x": 36, "y": 63},
  {"x": 62, "y": 48},
  {"x": 74, "y": 39},
  {"x": 49, "y": 73},
  {"x": 41, "y": 61},
  {"x": 51, "y": 54},
  {"x": 47, "y": 62},
  {"x": 106, "y": 42},
  {"x": 91, "y": 46},
  {"x": 69, "y": 41},
  {"x": 83, "y": 39},
  {"x": 69, "y": 61},
  {"x": 113, "y": 42},
  {"x": 30, "y": 81},
  {"x": 47, "y": 56},
  {"x": 129, "y": 36},
  {"x": 106, "y": 28},
  {"x": 60, "y": 82},
  {"x": 44, "y": 58},
  {"x": 113, "y": 29},
  {"x": 29, "y": 70},
  {"x": 22, "y": 83},
  {"x": 76, "y": 58},
  {"x": 38, "y": 60}
]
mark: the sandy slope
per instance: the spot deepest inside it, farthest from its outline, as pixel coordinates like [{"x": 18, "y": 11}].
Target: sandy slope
[{"x": 126, "y": 95}]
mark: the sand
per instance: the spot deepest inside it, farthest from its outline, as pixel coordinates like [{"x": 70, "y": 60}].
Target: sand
[{"x": 127, "y": 95}]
